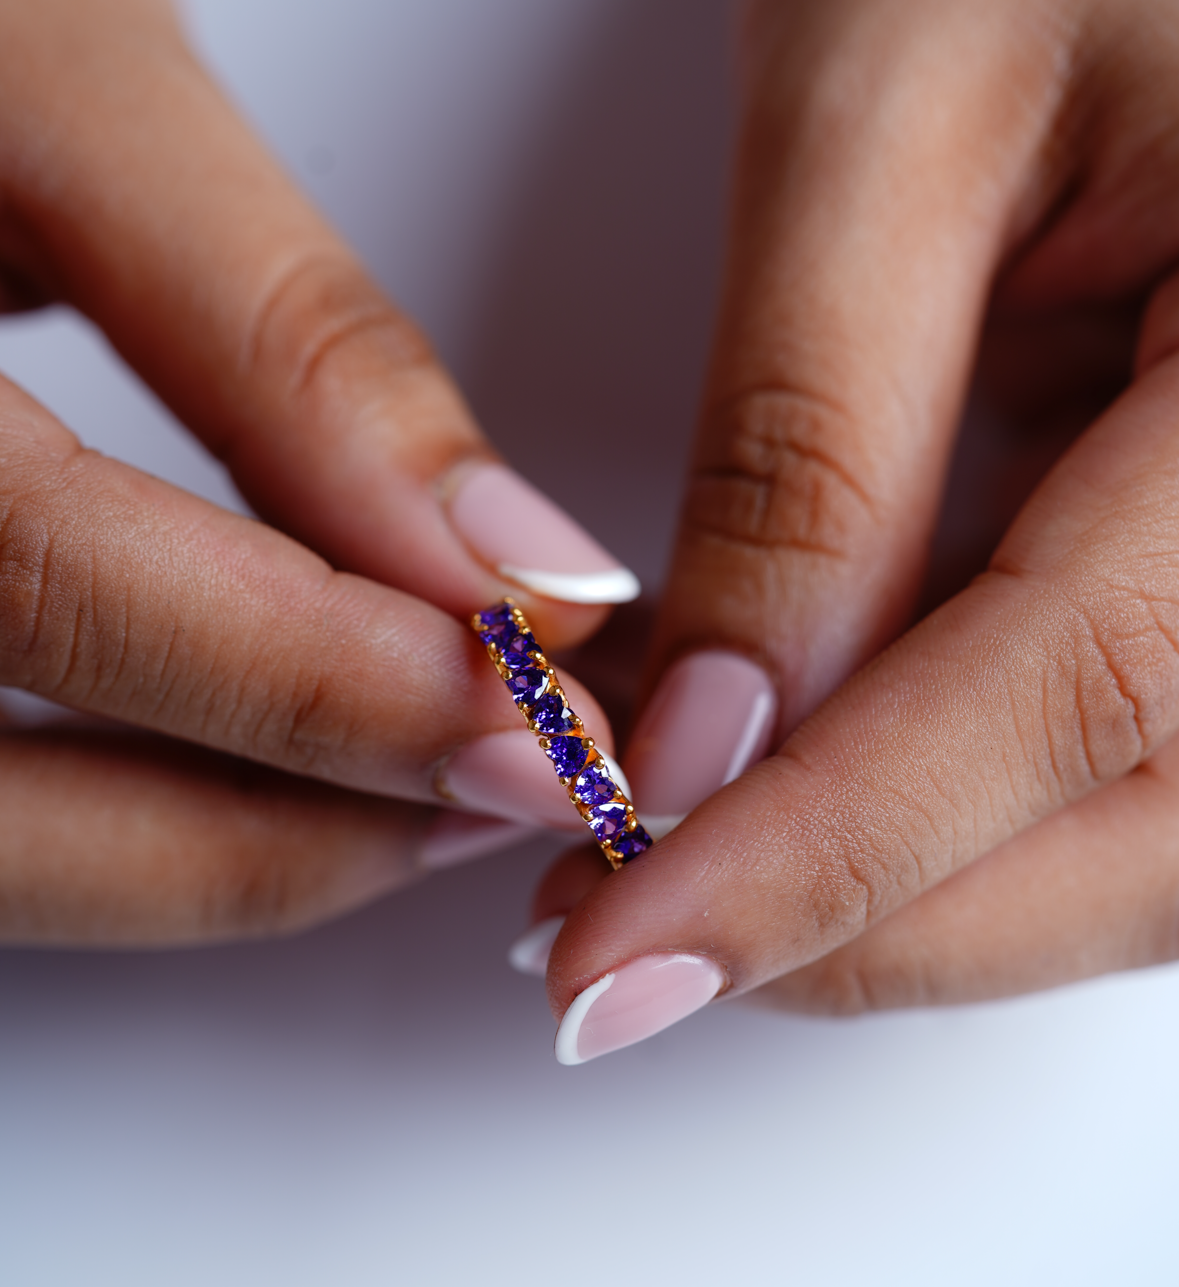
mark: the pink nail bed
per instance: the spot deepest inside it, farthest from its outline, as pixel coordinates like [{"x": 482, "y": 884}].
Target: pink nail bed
[
  {"x": 722, "y": 705},
  {"x": 634, "y": 1002},
  {"x": 529, "y": 540},
  {"x": 504, "y": 775}
]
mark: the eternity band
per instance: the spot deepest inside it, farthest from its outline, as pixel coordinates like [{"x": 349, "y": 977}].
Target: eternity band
[{"x": 580, "y": 766}]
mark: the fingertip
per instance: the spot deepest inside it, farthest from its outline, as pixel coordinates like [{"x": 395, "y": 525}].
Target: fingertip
[
  {"x": 526, "y": 538},
  {"x": 573, "y": 875},
  {"x": 529, "y": 954}
]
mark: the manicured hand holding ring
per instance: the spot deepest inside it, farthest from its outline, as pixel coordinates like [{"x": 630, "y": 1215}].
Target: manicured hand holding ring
[
  {"x": 330, "y": 643},
  {"x": 928, "y": 192}
]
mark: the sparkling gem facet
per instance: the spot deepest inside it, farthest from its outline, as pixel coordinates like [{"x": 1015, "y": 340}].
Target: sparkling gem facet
[
  {"x": 516, "y": 652},
  {"x": 497, "y": 625},
  {"x": 567, "y": 754},
  {"x": 608, "y": 821},
  {"x": 595, "y": 786},
  {"x": 632, "y": 843},
  {"x": 552, "y": 715},
  {"x": 527, "y": 686}
]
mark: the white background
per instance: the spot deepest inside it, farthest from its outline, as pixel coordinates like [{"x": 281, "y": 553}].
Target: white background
[{"x": 540, "y": 182}]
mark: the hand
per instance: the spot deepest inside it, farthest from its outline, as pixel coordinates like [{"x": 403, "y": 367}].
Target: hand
[
  {"x": 129, "y": 189},
  {"x": 926, "y": 191}
]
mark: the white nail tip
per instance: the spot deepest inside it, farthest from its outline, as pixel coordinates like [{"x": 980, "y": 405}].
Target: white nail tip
[
  {"x": 763, "y": 710},
  {"x": 659, "y": 824},
  {"x": 619, "y": 585},
  {"x": 530, "y": 952},
  {"x": 570, "y": 1029}
]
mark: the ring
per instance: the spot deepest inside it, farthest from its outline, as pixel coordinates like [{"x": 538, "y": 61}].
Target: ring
[{"x": 579, "y": 764}]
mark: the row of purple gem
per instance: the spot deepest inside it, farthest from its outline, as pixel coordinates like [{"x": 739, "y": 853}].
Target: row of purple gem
[{"x": 528, "y": 682}]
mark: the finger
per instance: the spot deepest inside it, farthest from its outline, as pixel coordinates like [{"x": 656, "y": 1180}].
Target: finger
[
  {"x": 123, "y": 596},
  {"x": 165, "y": 844},
  {"x": 562, "y": 887},
  {"x": 138, "y": 195},
  {"x": 1093, "y": 889},
  {"x": 865, "y": 233},
  {"x": 170, "y": 844},
  {"x": 1053, "y": 675}
]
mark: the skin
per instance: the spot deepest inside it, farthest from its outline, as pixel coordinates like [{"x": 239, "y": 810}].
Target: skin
[
  {"x": 928, "y": 192},
  {"x": 983, "y": 798},
  {"x": 131, "y": 190}
]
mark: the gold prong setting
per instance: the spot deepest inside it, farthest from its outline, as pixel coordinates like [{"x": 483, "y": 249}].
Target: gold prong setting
[{"x": 560, "y": 733}]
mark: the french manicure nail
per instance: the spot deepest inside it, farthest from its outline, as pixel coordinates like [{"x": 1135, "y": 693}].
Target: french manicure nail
[
  {"x": 454, "y": 838},
  {"x": 721, "y": 705},
  {"x": 507, "y": 776},
  {"x": 634, "y": 1002},
  {"x": 532, "y": 542},
  {"x": 530, "y": 952}
]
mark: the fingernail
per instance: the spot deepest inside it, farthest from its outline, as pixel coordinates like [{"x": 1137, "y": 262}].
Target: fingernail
[
  {"x": 531, "y": 541},
  {"x": 530, "y": 952},
  {"x": 712, "y": 716},
  {"x": 507, "y": 775},
  {"x": 454, "y": 838},
  {"x": 636, "y": 1001}
]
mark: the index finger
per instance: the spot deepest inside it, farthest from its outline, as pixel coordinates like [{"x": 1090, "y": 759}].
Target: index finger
[
  {"x": 124, "y": 596},
  {"x": 136, "y": 193}
]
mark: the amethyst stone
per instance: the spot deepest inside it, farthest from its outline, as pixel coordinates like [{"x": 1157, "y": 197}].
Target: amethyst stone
[
  {"x": 567, "y": 754},
  {"x": 595, "y": 786},
  {"x": 608, "y": 822},
  {"x": 527, "y": 686},
  {"x": 516, "y": 652},
  {"x": 551, "y": 715},
  {"x": 496, "y": 625},
  {"x": 632, "y": 843}
]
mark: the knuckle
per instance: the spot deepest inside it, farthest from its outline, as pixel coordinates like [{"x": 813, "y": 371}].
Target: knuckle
[
  {"x": 782, "y": 471},
  {"x": 307, "y": 721},
  {"x": 47, "y": 594},
  {"x": 854, "y": 981},
  {"x": 319, "y": 308},
  {"x": 256, "y": 891},
  {"x": 835, "y": 987},
  {"x": 1119, "y": 682},
  {"x": 308, "y": 731}
]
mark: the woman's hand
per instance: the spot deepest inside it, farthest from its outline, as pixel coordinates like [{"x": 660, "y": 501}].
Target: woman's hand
[
  {"x": 925, "y": 190},
  {"x": 131, "y": 190}
]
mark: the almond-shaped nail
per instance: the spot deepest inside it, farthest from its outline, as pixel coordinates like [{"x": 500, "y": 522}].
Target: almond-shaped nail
[
  {"x": 719, "y": 704},
  {"x": 530, "y": 952},
  {"x": 634, "y": 1002},
  {"x": 454, "y": 838},
  {"x": 530, "y": 541},
  {"x": 507, "y": 775}
]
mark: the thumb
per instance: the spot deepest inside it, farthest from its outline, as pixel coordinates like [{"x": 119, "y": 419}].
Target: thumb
[{"x": 1054, "y": 674}]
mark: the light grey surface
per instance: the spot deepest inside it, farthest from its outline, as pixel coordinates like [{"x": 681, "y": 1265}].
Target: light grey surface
[{"x": 377, "y": 1102}]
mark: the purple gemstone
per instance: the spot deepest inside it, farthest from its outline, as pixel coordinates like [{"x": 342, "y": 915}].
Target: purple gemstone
[
  {"x": 517, "y": 651},
  {"x": 496, "y": 624},
  {"x": 567, "y": 754},
  {"x": 632, "y": 843},
  {"x": 551, "y": 715},
  {"x": 595, "y": 786},
  {"x": 527, "y": 686},
  {"x": 608, "y": 822}
]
